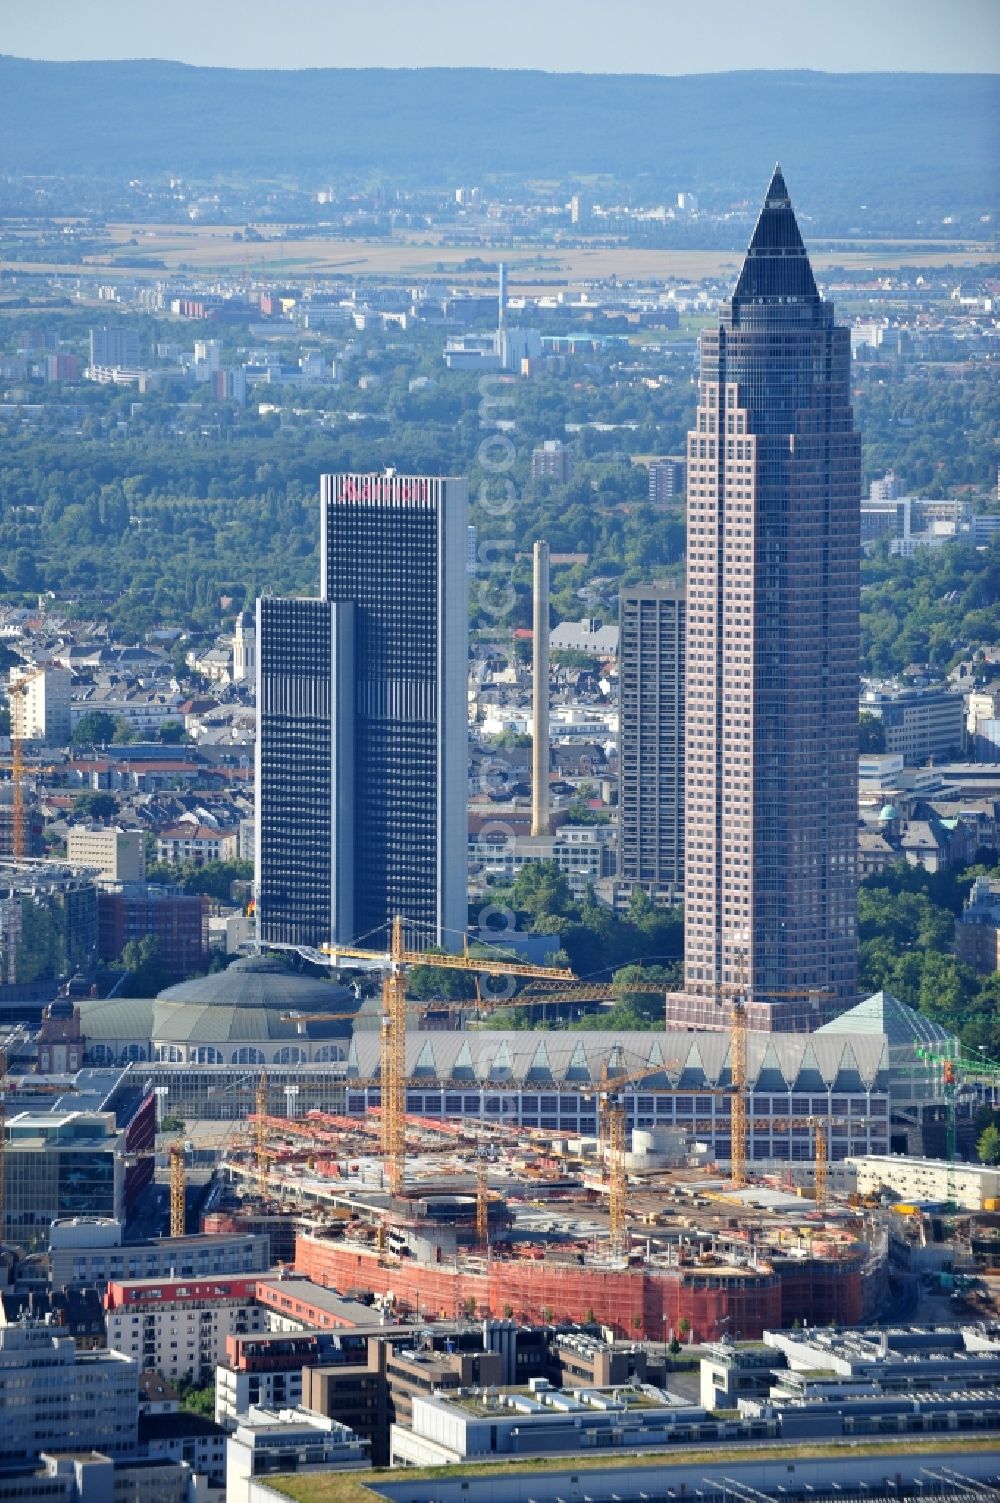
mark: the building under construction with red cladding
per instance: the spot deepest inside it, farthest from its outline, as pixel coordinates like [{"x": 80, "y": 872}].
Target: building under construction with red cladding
[{"x": 702, "y": 1297}]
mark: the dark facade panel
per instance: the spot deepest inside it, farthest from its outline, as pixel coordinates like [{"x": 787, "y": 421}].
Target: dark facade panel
[{"x": 652, "y": 644}]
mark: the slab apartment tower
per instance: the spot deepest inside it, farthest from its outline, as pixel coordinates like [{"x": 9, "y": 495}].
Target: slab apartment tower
[
  {"x": 651, "y": 649},
  {"x": 773, "y": 582},
  {"x": 362, "y": 759}
]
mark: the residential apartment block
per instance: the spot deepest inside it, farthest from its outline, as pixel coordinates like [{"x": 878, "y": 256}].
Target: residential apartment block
[
  {"x": 40, "y": 707},
  {"x": 179, "y": 1327}
]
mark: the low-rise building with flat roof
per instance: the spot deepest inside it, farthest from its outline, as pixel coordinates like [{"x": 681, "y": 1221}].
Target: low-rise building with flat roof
[
  {"x": 270, "y": 1442},
  {"x": 974, "y": 1187},
  {"x": 85, "y": 1250},
  {"x": 449, "y": 1429}
]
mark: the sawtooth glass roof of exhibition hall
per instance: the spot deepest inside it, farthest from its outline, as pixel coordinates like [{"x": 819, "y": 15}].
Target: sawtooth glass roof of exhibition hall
[{"x": 776, "y": 1062}]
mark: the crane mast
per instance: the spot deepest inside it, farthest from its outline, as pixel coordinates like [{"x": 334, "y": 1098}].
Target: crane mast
[
  {"x": 394, "y": 964},
  {"x": 482, "y": 1206},
  {"x": 260, "y": 1135},
  {"x": 616, "y": 1179},
  {"x": 821, "y": 1157},
  {"x": 177, "y": 1210}
]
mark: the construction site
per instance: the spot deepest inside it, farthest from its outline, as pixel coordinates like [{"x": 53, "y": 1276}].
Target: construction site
[
  {"x": 677, "y": 1184},
  {"x": 438, "y": 1199},
  {"x": 508, "y": 1224}
]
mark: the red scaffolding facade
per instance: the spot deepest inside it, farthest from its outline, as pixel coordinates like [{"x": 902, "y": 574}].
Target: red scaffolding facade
[{"x": 649, "y": 1302}]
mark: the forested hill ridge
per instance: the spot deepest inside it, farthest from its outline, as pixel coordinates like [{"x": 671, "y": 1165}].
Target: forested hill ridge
[{"x": 892, "y": 143}]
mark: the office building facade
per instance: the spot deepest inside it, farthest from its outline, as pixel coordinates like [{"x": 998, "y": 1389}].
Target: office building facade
[
  {"x": 114, "y": 853},
  {"x": 651, "y": 707},
  {"x": 54, "y": 1397},
  {"x": 773, "y": 587},
  {"x": 362, "y": 745}
]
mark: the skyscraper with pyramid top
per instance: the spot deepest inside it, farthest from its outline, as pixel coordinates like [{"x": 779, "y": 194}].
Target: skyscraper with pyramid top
[{"x": 773, "y": 581}]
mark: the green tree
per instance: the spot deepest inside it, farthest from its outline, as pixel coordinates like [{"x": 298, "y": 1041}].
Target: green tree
[
  {"x": 172, "y": 733},
  {"x": 197, "y": 1398},
  {"x": 214, "y": 879},
  {"x": 96, "y": 728},
  {"x": 141, "y": 958},
  {"x": 871, "y": 733},
  {"x": 988, "y": 1145},
  {"x": 124, "y": 733},
  {"x": 95, "y": 805},
  {"x": 541, "y": 890},
  {"x": 640, "y": 906}
]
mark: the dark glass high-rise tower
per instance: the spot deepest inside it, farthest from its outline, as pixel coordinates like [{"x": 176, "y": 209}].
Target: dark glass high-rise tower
[
  {"x": 652, "y": 621},
  {"x": 773, "y": 581},
  {"x": 362, "y": 760}
]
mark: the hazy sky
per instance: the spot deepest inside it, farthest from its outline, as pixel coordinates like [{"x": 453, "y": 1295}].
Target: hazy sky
[{"x": 592, "y": 36}]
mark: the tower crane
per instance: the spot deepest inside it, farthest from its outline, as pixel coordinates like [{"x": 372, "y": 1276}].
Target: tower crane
[
  {"x": 482, "y": 1203},
  {"x": 951, "y": 1085},
  {"x": 394, "y": 964},
  {"x": 178, "y": 1219},
  {"x": 612, "y": 1109},
  {"x": 738, "y": 1028},
  {"x": 738, "y": 1071},
  {"x": 821, "y": 1160},
  {"x": 819, "y": 1128},
  {"x": 260, "y": 1135}
]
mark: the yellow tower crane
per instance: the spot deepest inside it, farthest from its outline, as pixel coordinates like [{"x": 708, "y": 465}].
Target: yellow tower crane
[
  {"x": 739, "y": 1131},
  {"x": 738, "y": 1027},
  {"x": 260, "y": 1135},
  {"x": 617, "y": 1183},
  {"x": 178, "y": 1218},
  {"x": 820, "y": 1128},
  {"x": 482, "y": 1205},
  {"x": 738, "y": 1073},
  {"x": 612, "y": 1112},
  {"x": 821, "y": 1159},
  {"x": 394, "y": 964}
]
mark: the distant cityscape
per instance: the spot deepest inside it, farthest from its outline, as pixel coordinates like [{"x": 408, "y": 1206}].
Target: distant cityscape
[{"x": 499, "y": 857}]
